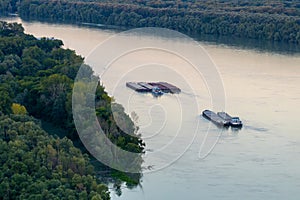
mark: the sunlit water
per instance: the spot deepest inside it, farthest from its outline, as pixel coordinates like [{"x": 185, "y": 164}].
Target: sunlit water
[{"x": 260, "y": 161}]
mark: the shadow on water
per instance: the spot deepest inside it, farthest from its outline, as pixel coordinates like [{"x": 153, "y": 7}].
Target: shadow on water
[
  {"x": 284, "y": 48},
  {"x": 236, "y": 129},
  {"x": 258, "y": 129}
]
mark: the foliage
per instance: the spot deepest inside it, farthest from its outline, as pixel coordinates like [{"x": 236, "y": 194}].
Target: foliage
[
  {"x": 130, "y": 179},
  {"x": 18, "y": 109},
  {"x": 37, "y": 166},
  {"x": 8, "y": 6},
  {"x": 267, "y": 19},
  {"x": 37, "y": 77},
  {"x": 38, "y": 74}
]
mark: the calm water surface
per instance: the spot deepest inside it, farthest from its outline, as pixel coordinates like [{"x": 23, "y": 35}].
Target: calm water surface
[{"x": 261, "y": 161}]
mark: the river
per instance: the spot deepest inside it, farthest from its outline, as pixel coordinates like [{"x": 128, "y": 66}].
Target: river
[{"x": 260, "y": 161}]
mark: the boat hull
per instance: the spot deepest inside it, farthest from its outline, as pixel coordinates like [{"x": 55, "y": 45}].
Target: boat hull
[{"x": 236, "y": 125}]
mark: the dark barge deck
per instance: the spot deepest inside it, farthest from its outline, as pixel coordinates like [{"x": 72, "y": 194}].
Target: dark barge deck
[
  {"x": 147, "y": 87},
  {"x": 213, "y": 117}
]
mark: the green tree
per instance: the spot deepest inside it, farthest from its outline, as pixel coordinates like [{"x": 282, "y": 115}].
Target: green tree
[{"x": 5, "y": 100}]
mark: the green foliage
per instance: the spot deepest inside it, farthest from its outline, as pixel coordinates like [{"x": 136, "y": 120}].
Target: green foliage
[
  {"x": 11, "y": 29},
  {"x": 267, "y": 19},
  {"x": 8, "y": 6},
  {"x": 37, "y": 77},
  {"x": 130, "y": 179},
  {"x": 34, "y": 165},
  {"x": 5, "y": 98}
]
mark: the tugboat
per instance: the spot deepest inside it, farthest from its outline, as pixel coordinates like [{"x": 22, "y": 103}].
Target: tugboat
[
  {"x": 233, "y": 121},
  {"x": 210, "y": 115},
  {"x": 156, "y": 91}
]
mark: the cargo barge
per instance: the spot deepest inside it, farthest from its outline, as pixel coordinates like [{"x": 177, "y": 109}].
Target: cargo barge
[
  {"x": 153, "y": 87},
  {"x": 216, "y": 119}
]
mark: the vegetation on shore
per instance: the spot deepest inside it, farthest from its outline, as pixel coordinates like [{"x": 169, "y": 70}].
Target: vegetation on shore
[
  {"x": 35, "y": 165},
  {"x": 36, "y": 79},
  {"x": 270, "y": 20}
]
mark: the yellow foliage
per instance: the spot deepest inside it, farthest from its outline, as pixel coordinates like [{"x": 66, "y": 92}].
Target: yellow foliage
[{"x": 18, "y": 109}]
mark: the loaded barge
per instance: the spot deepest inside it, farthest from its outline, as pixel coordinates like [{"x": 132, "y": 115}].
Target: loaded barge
[
  {"x": 216, "y": 119},
  {"x": 222, "y": 119},
  {"x": 156, "y": 88}
]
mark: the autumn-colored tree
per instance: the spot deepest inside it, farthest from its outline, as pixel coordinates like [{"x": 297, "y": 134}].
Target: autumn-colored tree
[{"x": 18, "y": 109}]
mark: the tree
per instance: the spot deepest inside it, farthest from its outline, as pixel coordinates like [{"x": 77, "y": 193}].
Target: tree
[
  {"x": 96, "y": 197},
  {"x": 38, "y": 80},
  {"x": 18, "y": 109},
  {"x": 218, "y": 18},
  {"x": 5, "y": 100},
  {"x": 28, "y": 171}
]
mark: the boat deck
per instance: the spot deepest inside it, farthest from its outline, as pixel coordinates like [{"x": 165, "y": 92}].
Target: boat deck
[
  {"x": 147, "y": 87},
  {"x": 166, "y": 87},
  {"x": 136, "y": 87},
  {"x": 224, "y": 116}
]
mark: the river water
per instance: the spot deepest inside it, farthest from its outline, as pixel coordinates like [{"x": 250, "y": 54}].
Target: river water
[{"x": 260, "y": 161}]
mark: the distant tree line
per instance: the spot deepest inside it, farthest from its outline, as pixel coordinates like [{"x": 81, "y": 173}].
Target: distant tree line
[
  {"x": 266, "y": 20},
  {"x": 8, "y": 6}
]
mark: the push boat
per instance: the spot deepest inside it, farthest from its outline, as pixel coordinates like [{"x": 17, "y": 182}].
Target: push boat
[
  {"x": 156, "y": 91},
  {"x": 233, "y": 121}
]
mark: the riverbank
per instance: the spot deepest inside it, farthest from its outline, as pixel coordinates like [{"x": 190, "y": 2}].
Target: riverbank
[
  {"x": 264, "y": 21},
  {"x": 230, "y": 41}
]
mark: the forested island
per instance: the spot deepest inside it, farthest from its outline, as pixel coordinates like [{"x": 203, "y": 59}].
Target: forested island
[
  {"x": 41, "y": 154},
  {"x": 271, "y": 20}
]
